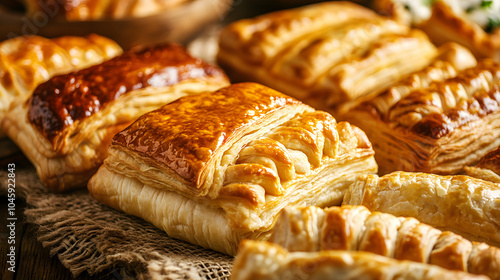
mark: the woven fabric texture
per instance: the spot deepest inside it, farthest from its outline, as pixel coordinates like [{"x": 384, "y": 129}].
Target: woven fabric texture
[{"x": 89, "y": 236}]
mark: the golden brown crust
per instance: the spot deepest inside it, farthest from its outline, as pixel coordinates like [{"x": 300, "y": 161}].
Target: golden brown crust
[
  {"x": 245, "y": 151},
  {"x": 263, "y": 260},
  {"x": 27, "y": 61},
  {"x": 80, "y": 112},
  {"x": 67, "y": 99},
  {"x": 323, "y": 54},
  {"x": 462, "y": 204},
  {"x": 191, "y": 131},
  {"x": 445, "y": 25},
  {"x": 444, "y": 117},
  {"x": 355, "y": 228}
]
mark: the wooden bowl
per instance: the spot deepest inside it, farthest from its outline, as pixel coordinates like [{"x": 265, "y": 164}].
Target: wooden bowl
[{"x": 174, "y": 25}]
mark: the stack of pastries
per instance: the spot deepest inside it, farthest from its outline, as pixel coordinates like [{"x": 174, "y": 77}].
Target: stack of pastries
[{"x": 355, "y": 109}]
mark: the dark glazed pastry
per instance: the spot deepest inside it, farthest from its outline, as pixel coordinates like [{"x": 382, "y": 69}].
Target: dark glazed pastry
[
  {"x": 27, "y": 61},
  {"x": 67, "y": 124},
  {"x": 441, "y": 119},
  {"x": 217, "y": 179}
]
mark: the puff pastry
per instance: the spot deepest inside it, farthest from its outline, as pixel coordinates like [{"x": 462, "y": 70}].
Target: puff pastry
[
  {"x": 217, "y": 179},
  {"x": 488, "y": 168},
  {"x": 462, "y": 204},
  {"x": 323, "y": 54},
  {"x": 473, "y": 24},
  {"x": 76, "y": 10},
  {"x": 28, "y": 61},
  {"x": 264, "y": 260},
  {"x": 65, "y": 127},
  {"x": 355, "y": 228},
  {"x": 437, "y": 121}
]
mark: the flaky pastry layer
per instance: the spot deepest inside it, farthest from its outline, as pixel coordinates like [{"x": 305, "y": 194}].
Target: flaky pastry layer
[
  {"x": 324, "y": 54},
  {"x": 263, "y": 260},
  {"x": 442, "y": 118},
  {"x": 355, "y": 228},
  {"x": 67, "y": 146},
  {"x": 462, "y": 204},
  {"x": 73, "y": 10}
]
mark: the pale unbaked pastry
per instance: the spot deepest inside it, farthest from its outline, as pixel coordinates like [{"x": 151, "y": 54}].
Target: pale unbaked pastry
[
  {"x": 436, "y": 121},
  {"x": 323, "y": 54},
  {"x": 216, "y": 168},
  {"x": 473, "y": 24},
  {"x": 65, "y": 127},
  {"x": 488, "y": 168},
  {"x": 27, "y": 61},
  {"x": 75, "y": 10},
  {"x": 462, "y": 204},
  {"x": 263, "y": 260},
  {"x": 355, "y": 228}
]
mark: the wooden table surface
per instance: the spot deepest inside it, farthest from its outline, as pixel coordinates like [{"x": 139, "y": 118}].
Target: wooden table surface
[{"x": 32, "y": 260}]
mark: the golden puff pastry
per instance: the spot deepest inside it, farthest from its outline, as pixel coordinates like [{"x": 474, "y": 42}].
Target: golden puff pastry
[
  {"x": 65, "y": 127},
  {"x": 77, "y": 10},
  {"x": 324, "y": 54},
  {"x": 436, "y": 121},
  {"x": 473, "y": 24},
  {"x": 355, "y": 228},
  {"x": 488, "y": 168},
  {"x": 263, "y": 260},
  {"x": 462, "y": 204},
  {"x": 28, "y": 61},
  {"x": 216, "y": 168}
]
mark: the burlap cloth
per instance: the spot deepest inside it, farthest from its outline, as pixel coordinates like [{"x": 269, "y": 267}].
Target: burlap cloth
[{"x": 87, "y": 235}]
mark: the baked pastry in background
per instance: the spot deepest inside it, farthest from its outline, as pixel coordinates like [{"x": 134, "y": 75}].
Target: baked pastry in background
[
  {"x": 65, "y": 127},
  {"x": 462, "y": 204},
  {"x": 72, "y": 10},
  {"x": 28, "y": 61},
  {"x": 324, "y": 54},
  {"x": 355, "y": 228},
  {"x": 473, "y": 24},
  {"x": 217, "y": 168},
  {"x": 438, "y": 120},
  {"x": 265, "y": 260},
  {"x": 488, "y": 167}
]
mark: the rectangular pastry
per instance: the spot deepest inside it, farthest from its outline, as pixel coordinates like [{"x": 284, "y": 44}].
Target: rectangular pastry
[
  {"x": 324, "y": 54},
  {"x": 263, "y": 260},
  {"x": 436, "y": 121},
  {"x": 27, "y": 61},
  {"x": 66, "y": 125},
  {"x": 473, "y": 24},
  {"x": 462, "y": 204},
  {"x": 355, "y": 228},
  {"x": 216, "y": 168}
]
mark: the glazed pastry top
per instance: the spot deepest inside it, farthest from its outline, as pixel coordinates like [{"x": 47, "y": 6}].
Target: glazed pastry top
[{"x": 63, "y": 100}]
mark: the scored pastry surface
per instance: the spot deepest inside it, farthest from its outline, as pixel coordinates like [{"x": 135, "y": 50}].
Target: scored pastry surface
[{"x": 253, "y": 152}]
